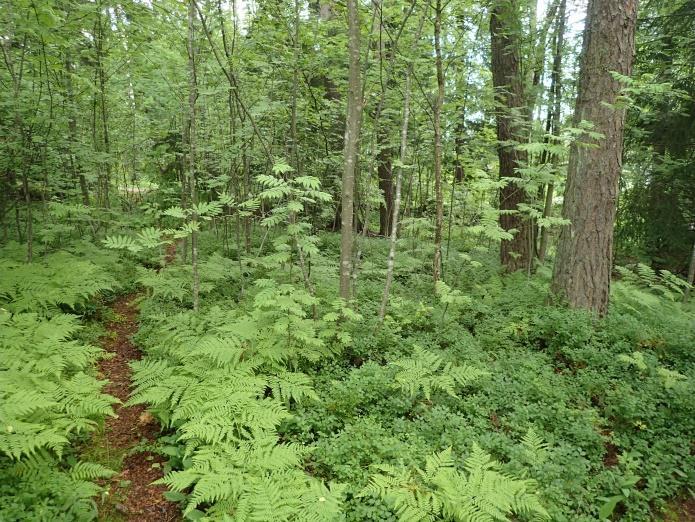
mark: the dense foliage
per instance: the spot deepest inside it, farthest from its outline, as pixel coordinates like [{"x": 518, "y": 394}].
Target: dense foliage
[
  {"x": 49, "y": 396},
  {"x": 417, "y": 340}
]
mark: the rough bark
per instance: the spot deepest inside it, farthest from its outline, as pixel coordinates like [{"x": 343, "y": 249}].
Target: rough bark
[
  {"x": 507, "y": 79},
  {"x": 582, "y": 272},
  {"x": 352, "y": 132}
]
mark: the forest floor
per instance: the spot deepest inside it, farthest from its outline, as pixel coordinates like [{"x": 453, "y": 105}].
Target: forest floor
[
  {"x": 682, "y": 512},
  {"x": 126, "y": 440}
]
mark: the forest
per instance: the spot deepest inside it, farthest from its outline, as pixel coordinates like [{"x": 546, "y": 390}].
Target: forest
[{"x": 347, "y": 260}]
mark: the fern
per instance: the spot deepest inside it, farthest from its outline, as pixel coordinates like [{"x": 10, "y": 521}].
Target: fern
[
  {"x": 534, "y": 447},
  {"x": 669, "y": 378},
  {"x": 664, "y": 283},
  {"x": 480, "y": 493},
  {"x": 426, "y": 372},
  {"x": 221, "y": 379},
  {"x": 40, "y": 488},
  {"x": 57, "y": 280},
  {"x": 46, "y": 394}
]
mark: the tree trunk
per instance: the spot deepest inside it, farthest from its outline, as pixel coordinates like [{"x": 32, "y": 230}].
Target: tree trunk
[
  {"x": 192, "y": 98},
  {"x": 75, "y": 164},
  {"x": 691, "y": 275},
  {"x": 397, "y": 200},
  {"x": 439, "y": 102},
  {"x": 508, "y": 82},
  {"x": 352, "y": 134},
  {"x": 582, "y": 272},
  {"x": 101, "y": 76},
  {"x": 385, "y": 172},
  {"x": 30, "y": 216},
  {"x": 555, "y": 105}
]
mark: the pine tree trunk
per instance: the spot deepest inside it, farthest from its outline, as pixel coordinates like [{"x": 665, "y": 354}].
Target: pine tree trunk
[
  {"x": 439, "y": 102},
  {"x": 582, "y": 272},
  {"x": 508, "y": 82},
  {"x": 352, "y": 134}
]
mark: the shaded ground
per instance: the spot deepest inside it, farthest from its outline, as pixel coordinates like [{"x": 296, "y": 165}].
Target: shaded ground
[
  {"x": 125, "y": 438},
  {"x": 682, "y": 512}
]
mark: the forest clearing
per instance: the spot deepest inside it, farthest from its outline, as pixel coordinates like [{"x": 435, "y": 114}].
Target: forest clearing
[{"x": 288, "y": 261}]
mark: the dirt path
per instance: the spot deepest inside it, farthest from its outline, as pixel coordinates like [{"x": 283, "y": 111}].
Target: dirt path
[{"x": 125, "y": 437}]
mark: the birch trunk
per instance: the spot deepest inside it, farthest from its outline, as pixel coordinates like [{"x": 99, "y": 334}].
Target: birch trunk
[{"x": 397, "y": 199}]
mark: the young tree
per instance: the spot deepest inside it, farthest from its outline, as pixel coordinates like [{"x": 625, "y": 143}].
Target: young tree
[
  {"x": 439, "y": 102},
  {"x": 397, "y": 200},
  {"x": 352, "y": 136},
  {"x": 508, "y": 81},
  {"x": 553, "y": 120},
  {"x": 582, "y": 271},
  {"x": 192, "y": 97},
  {"x": 691, "y": 274}
]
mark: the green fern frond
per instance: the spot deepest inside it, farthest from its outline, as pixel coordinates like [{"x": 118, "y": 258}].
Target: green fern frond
[{"x": 426, "y": 372}]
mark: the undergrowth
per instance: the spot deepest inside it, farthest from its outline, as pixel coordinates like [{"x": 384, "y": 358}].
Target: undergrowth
[
  {"x": 49, "y": 397},
  {"x": 278, "y": 402}
]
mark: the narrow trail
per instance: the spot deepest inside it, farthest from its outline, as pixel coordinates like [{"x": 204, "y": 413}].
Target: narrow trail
[{"x": 132, "y": 497}]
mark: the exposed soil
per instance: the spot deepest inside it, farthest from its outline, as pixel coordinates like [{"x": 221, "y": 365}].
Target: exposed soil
[
  {"x": 610, "y": 458},
  {"x": 682, "y": 512},
  {"x": 170, "y": 253},
  {"x": 131, "y": 493}
]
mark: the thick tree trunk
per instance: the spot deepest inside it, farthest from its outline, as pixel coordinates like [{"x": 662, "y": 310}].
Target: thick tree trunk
[
  {"x": 508, "y": 82},
  {"x": 352, "y": 135},
  {"x": 439, "y": 102},
  {"x": 582, "y": 272}
]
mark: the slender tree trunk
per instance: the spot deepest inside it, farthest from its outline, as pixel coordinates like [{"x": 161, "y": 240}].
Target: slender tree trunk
[
  {"x": 101, "y": 76},
  {"x": 439, "y": 102},
  {"x": 555, "y": 106},
  {"x": 72, "y": 131},
  {"x": 30, "y": 217},
  {"x": 385, "y": 172},
  {"x": 691, "y": 274},
  {"x": 539, "y": 39},
  {"x": 397, "y": 199},
  {"x": 352, "y": 135},
  {"x": 192, "y": 98},
  {"x": 582, "y": 272},
  {"x": 508, "y": 82}
]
